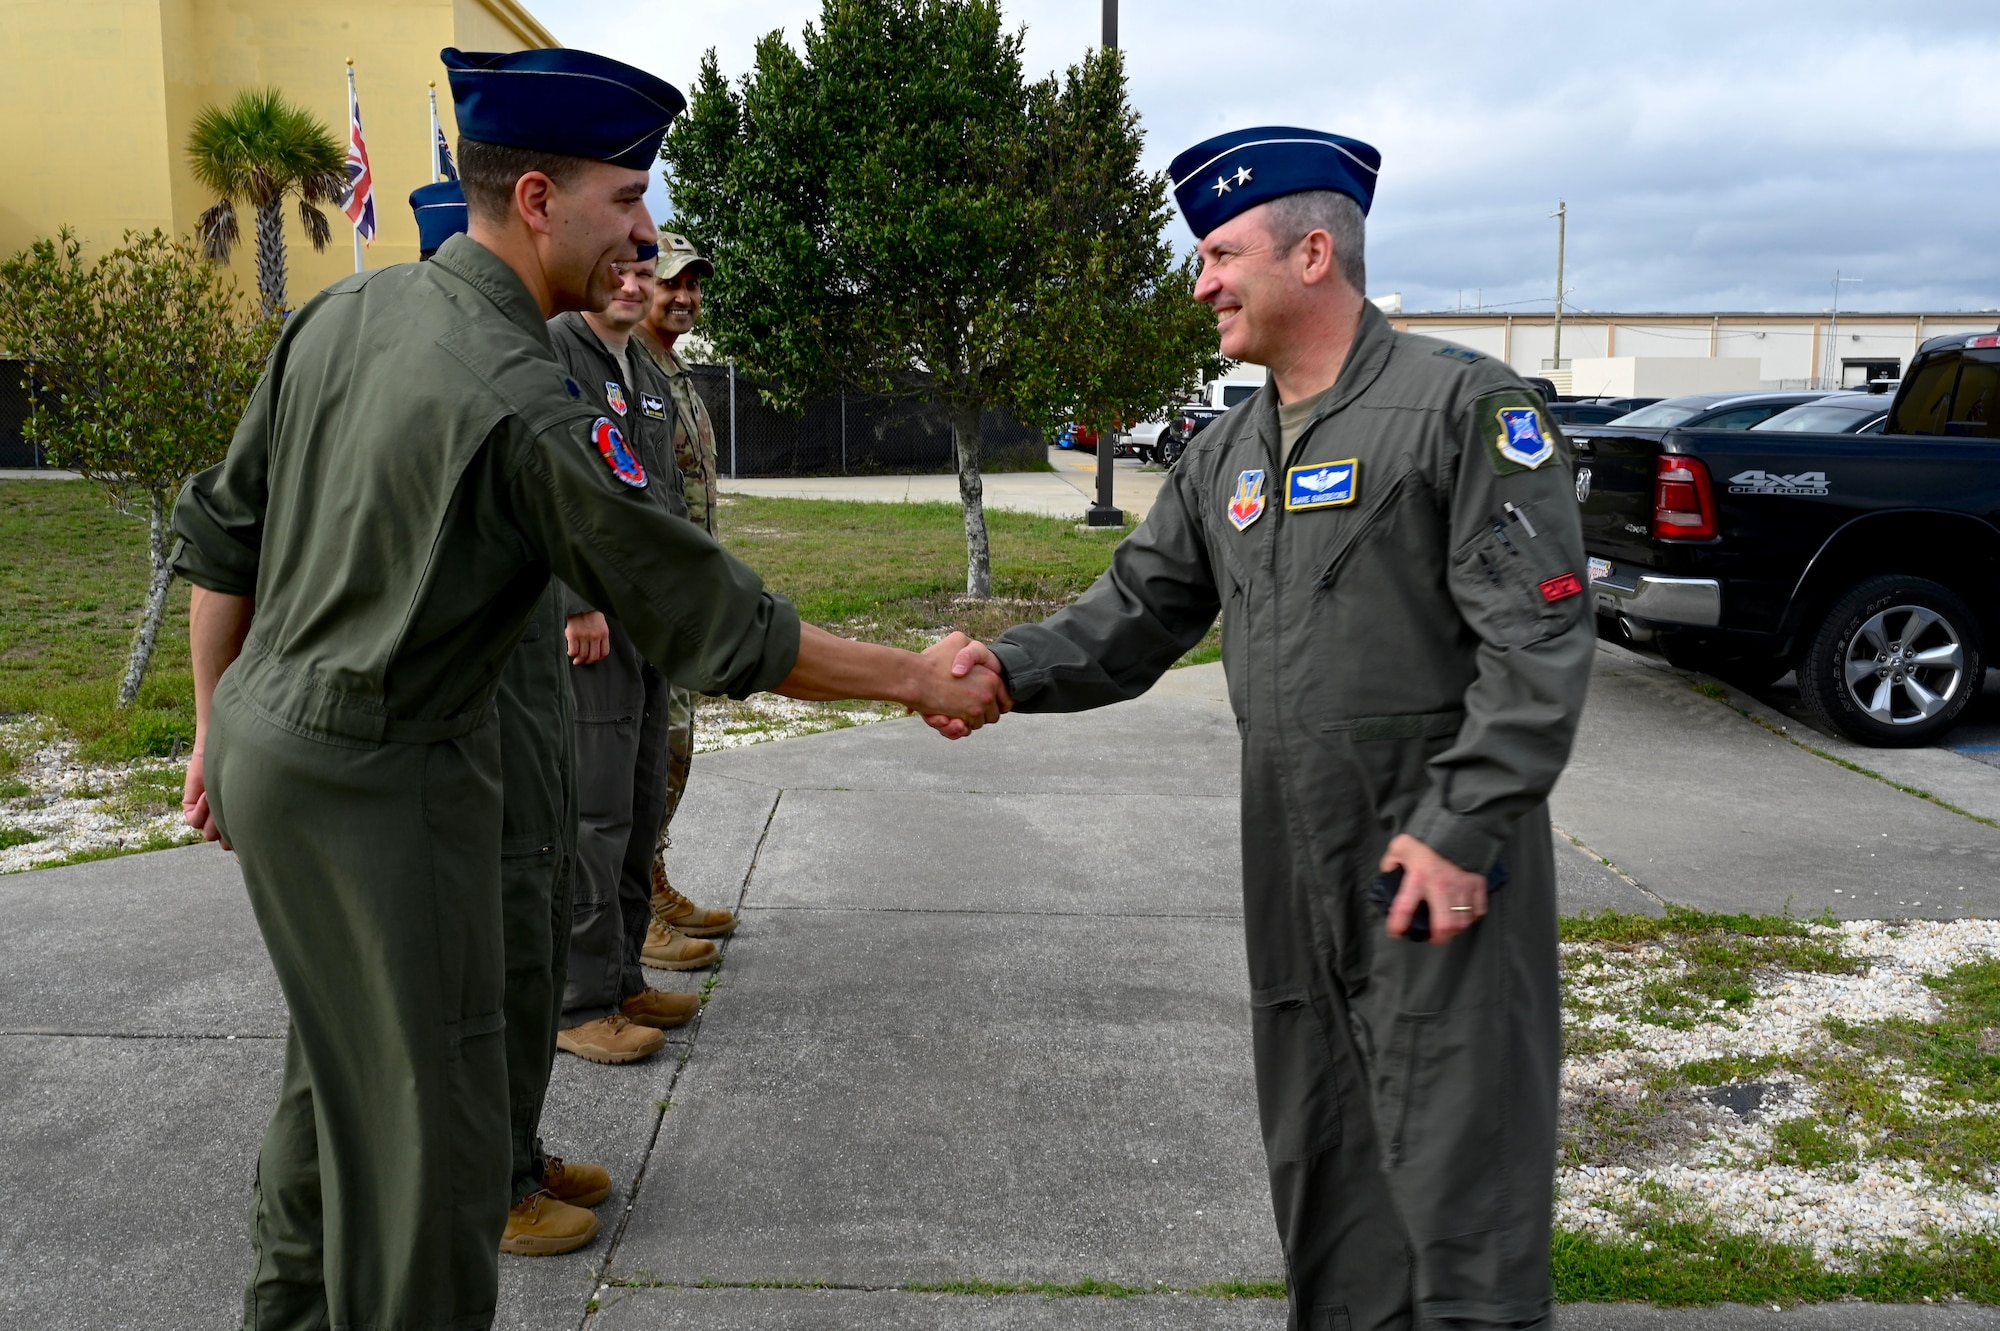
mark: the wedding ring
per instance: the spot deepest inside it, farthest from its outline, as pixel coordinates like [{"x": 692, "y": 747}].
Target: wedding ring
[{"x": 1461, "y": 910}]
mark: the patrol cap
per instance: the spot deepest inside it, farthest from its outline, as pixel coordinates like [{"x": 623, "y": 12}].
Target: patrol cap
[
  {"x": 1231, "y": 173},
  {"x": 678, "y": 254},
  {"x": 440, "y": 210},
  {"x": 561, "y": 101}
]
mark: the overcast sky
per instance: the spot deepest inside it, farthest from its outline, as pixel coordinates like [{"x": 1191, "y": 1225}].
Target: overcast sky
[{"x": 1714, "y": 155}]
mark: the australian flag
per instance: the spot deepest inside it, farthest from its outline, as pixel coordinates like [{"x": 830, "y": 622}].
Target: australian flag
[
  {"x": 360, "y": 202},
  {"x": 445, "y": 169}
]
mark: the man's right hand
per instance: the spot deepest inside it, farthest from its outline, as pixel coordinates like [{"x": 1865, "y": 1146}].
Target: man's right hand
[
  {"x": 589, "y": 637},
  {"x": 194, "y": 802},
  {"x": 971, "y": 659}
]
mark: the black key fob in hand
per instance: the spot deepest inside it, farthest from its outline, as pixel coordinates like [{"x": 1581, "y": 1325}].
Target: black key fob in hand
[{"x": 1383, "y": 893}]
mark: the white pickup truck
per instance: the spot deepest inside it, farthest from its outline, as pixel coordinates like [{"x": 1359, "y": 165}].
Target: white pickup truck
[{"x": 1162, "y": 439}]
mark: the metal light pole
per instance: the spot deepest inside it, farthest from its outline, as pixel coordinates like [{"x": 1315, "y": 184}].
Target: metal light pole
[
  {"x": 1833, "y": 375},
  {"x": 1561, "y": 214},
  {"x": 1104, "y": 513}
]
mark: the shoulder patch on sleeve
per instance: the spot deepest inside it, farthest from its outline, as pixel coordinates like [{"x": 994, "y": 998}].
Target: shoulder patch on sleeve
[
  {"x": 1516, "y": 435},
  {"x": 1466, "y": 354}
]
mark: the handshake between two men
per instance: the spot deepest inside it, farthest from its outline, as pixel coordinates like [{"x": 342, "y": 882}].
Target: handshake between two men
[{"x": 956, "y": 684}]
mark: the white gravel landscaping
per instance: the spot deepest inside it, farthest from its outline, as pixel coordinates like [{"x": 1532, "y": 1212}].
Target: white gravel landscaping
[
  {"x": 74, "y": 807},
  {"x": 1688, "y": 1154}
]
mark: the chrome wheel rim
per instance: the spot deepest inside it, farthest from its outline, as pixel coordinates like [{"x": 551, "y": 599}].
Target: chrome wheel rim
[{"x": 1903, "y": 665}]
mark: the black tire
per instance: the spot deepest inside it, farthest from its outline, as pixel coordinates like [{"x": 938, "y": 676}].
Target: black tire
[
  {"x": 1894, "y": 663},
  {"x": 1170, "y": 448},
  {"x": 1744, "y": 671}
]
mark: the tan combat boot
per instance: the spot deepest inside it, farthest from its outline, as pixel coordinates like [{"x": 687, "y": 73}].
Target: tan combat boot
[
  {"x": 541, "y": 1226},
  {"x": 578, "y": 1185},
  {"x": 612, "y": 1039},
  {"x": 671, "y": 950},
  {"x": 675, "y": 911},
  {"x": 659, "y": 1009}
]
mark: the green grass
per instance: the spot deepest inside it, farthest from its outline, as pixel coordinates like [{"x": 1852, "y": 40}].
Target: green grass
[
  {"x": 895, "y": 573},
  {"x": 1722, "y": 955},
  {"x": 17, "y": 836},
  {"x": 72, "y": 581},
  {"x": 1675, "y": 1259}
]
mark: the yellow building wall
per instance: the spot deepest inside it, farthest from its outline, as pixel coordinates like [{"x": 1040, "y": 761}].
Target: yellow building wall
[{"x": 105, "y": 92}]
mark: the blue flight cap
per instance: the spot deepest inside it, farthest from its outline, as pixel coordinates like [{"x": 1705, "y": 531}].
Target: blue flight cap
[
  {"x": 440, "y": 211},
  {"x": 1223, "y": 176},
  {"x": 561, "y": 101}
]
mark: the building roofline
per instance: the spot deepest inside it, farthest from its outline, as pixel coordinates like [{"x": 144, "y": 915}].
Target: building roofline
[{"x": 515, "y": 17}]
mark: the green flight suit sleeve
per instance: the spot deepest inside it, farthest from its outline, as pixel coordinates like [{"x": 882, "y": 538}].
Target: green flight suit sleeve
[
  {"x": 696, "y": 611},
  {"x": 1517, "y": 576},
  {"x": 1142, "y": 615},
  {"x": 219, "y": 517}
]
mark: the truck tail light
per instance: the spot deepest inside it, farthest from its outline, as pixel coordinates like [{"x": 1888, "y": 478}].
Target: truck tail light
[
  {"x": 1983, "y": 342},
  {"x": 1683, "y": 504}
]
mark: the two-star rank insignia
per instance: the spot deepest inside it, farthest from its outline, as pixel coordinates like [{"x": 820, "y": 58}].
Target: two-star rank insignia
[
  {"x": 1320, "y": 485},
  {"x": 624, "y": 465},
  {"x": 1225, "y": 183},
  {"x": 615, "y": 395},
  {"x": 1248, "y": 503}
]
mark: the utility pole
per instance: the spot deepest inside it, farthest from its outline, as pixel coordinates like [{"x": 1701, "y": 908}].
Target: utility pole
[
  {"x": 1561, "y": 214},
  {"x": 1832, "y": 376},
  {"x": 1104, "y": 513}
]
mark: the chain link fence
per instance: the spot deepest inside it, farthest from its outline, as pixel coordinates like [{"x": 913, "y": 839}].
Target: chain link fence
[
  {"x": 847, "y": 436},
  {"x": 15, "y": 450}
]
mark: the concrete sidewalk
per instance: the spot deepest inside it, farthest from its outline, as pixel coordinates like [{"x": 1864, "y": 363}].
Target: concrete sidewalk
[
  {"x": 1066, "y": 492},
  {"x": 985, "y": 1021}
]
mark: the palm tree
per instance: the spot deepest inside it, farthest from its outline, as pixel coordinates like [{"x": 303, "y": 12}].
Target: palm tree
[{"x": 261, "y": 148}]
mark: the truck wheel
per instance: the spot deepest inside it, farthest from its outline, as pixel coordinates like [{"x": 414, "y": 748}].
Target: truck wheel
[
  {"x": 1894, "y": 663},
  {"x": 1170, "y": 448}
]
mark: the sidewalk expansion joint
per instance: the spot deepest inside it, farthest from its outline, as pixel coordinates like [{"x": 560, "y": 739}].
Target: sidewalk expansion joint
[
  {"x": 1025, "y": 914},
  {"x": 604, "y": 1280},
  {"x": 50, "y": 1033}
]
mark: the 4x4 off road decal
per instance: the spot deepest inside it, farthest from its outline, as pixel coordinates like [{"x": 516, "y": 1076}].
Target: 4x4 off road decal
[{"x": 1774, "y": 483}]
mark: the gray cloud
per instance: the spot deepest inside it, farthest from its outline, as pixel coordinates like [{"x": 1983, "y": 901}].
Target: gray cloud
[{"x": 1714, "y": 155}]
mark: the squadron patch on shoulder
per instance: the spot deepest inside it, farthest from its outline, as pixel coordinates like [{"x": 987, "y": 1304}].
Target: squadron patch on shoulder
[
  {"x": 656, "y": 407},
  {"x": 623, "y": 463},
  {"x": 1320, "y": 485},
  {"x": 1466, "y": 354},
  {"x": 615, "y": 395},
  {"x": 1248, "y": 503},
  {"x": 1516, "y": 434}
]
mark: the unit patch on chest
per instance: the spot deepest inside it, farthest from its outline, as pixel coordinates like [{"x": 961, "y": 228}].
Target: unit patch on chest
[
  {"x": 611, "y": 444},
  {"x": 656, "y": 407},
  {"x": 1247, "y": 505},
  {"x": 1320, "y": 485},
  {"x": 615, "y": 395}
]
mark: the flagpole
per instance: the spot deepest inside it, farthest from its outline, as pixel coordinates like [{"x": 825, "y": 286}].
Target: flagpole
[
  {"x": 350, "y": 123},
  {"x": 432, "y": 146}
]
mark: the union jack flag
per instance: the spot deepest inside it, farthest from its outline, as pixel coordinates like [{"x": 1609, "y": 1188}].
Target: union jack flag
[
  {"x": 360, "y": 202},
  {"x": 446, "y": 169}
]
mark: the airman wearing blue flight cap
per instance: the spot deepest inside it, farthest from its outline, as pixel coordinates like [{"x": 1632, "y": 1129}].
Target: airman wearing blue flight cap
[
  {"x": 412, "y": 469},
  {"x": 1389, "y": 532}
]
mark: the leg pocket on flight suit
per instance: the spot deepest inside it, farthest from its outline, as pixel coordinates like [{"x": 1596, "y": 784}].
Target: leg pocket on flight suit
[
  {"x": 1298, "y": 1101},
  {"x": 1441, "y": 1118}
]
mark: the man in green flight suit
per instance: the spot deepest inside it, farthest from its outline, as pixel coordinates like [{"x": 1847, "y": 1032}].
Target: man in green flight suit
[
  {"x": 1389, "y": 533},
  {"x": 610, "y": 1013},
  {"x": 410, "y": 472},
  {"x": 550, "y": 1195}
]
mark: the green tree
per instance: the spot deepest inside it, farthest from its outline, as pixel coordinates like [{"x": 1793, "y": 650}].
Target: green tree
[
  {"x": 139, "y": 367},
  {"x": 261, "y": 148},
  {"x": 894, "y": 209}
]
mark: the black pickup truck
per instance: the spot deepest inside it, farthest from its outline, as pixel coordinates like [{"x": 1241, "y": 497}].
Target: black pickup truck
[{"x": 1868, "y": 563}]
